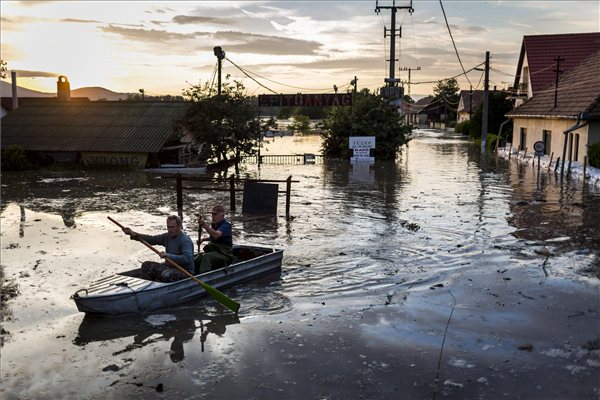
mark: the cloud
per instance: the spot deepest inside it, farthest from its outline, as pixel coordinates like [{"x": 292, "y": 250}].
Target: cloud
[
  {"x": 263, "y": 44},
  {"x": 82, "y": 21},
  {"x": 36, "y": 74},
  {"x": 147, "y": 35},
  {"x": 192, "y": 19},
  {"x": 362, "y": 63}
]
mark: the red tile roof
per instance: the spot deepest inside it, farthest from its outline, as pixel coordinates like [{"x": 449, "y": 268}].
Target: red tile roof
[
  {"x": 578, "y": 91},
  {"x": 542, "y": 51}
]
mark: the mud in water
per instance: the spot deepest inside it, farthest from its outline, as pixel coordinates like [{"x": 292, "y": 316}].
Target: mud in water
[{"x": 446, "y": 274}]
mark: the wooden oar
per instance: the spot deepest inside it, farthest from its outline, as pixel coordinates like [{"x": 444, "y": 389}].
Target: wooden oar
[{"x": 216, "y": 294}]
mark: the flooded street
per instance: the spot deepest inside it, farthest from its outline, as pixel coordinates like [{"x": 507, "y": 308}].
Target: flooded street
[{"x": 447, "y": 274}]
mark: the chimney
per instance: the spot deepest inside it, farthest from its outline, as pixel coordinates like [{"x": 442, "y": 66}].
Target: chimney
[
  {"x": 63, "y": 89},
  {"x": 15, "y": 98}
]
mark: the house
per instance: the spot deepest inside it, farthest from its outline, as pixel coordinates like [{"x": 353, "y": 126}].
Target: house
[
  {"x": 469, "y": 102},
  {"x": 416, "y": 114},
  {"x": 564, "y": 117},
  {"x": 542, "y": 55},
  {"x": 117, "y": 133}
]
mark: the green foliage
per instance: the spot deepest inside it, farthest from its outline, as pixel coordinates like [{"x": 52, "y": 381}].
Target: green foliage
[
  {"x": 594, "y": 155},
  {"x": 301, "y": 124},
  {"x": 370, "y": 115},
  {"x": 14, "y": 159},
  {"x": 228, "y": 125},
  {"x": 449, "y": 92},
  {"x": 467, "y": 128},
  {"x": 498, "y": 106}
]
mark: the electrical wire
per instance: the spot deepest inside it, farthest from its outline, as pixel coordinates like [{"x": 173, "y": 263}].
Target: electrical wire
[
  {"x": 454, "y": 44},
  {"x": 452, "y": 77}
]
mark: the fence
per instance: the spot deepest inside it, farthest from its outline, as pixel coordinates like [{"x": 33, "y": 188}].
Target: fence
[
  {"x": 233, "y": 184},
  {"x": 290, "y": 159}
]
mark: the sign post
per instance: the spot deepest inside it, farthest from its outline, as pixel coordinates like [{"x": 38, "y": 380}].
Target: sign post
[
  {"x": 539, "y": 147},
  {"x": 361, "y": 146}
]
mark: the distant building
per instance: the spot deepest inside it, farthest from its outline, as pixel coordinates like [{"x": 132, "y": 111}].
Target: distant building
[
  {"x": 416, "y": 114},
  {"x": 470, "y": 101}
]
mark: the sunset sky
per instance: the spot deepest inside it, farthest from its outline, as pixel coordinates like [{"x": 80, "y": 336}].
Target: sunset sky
[{"x": 294, "y": 46}]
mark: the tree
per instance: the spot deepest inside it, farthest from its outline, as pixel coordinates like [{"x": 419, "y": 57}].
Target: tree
[
  {"x": 448, "y": 92},
  {"x": 301, "y": 123},
  {"x": 229, "y": 125},
  {"x": 498, "y": 106},
  {"x": 370, "y": 115}
]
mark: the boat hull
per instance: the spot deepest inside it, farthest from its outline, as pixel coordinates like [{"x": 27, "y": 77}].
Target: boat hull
[{"x": 127, "y": 293}]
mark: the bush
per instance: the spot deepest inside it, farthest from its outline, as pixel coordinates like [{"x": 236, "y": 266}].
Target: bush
[
  {"x": 468, "y": 128},
  {"x": 14, "y": 159},
  {"x": 594, "y": 155}
]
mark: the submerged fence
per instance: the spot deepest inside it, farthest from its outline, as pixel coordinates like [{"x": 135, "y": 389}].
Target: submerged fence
[
  {"x": 231, "y": 185},
  {"x": 290, "y": 159}
]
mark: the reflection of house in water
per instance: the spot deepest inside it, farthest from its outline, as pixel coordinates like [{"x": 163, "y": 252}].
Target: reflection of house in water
[{"x": 115, "y": 133}]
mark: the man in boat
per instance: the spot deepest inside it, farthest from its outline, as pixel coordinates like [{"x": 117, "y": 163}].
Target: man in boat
[
  {"x": 218, "y": 253},
  {"x": 178, "y": 247}
]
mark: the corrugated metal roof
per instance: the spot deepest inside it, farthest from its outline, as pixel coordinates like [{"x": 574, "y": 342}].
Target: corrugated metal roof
[
  {"x": 109, "y": 126},
  {"x": 578, "y": 91},
  {"x": 542, "y": 50}
]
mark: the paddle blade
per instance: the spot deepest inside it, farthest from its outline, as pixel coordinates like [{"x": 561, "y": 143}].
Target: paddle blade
[{"x": 220, "y": 297}]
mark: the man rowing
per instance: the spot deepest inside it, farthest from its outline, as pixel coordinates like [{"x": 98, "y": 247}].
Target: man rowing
[
  {"x": 218, "y": 253},
  {"x": 178, "y": 247}
]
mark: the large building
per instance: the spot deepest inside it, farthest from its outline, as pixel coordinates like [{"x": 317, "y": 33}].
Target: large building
[{"x": 118, "y": 133}]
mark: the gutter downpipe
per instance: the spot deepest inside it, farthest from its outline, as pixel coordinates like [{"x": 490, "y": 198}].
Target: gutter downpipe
[
  {"x": 500, "y": 133},
  {"x": 577, "y": 125}
]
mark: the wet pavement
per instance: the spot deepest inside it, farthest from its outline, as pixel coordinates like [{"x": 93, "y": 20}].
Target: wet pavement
[{"x": 443, "y": 275}]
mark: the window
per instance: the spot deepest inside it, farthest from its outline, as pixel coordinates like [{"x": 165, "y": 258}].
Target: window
[
  {"x": 523, "y": 139},
  {"x": 547, "y": 139},
  {"x": 576, "y": 156}
]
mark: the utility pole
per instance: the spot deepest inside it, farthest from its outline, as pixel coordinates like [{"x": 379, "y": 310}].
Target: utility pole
[
  {"x": 220, "y": 54},
  {"x": 470, "y": 102},
  {"x": 409, "y": 69},
  {"x": 486, "y": 89},
  {"x": 392, "y": 82},
  {"x": 558, "y": 71}
]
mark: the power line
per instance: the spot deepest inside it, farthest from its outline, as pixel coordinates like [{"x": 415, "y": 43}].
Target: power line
[
  {"x": 454, "y": 44},
  {"x": 452, "y": 77},
  {"x": 248, "y": 72}
]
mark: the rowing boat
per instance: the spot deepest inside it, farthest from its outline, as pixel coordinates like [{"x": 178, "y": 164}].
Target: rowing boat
[{"x": 126, "y": 292}]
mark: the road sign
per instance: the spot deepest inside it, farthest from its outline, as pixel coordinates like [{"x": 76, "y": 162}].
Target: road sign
[{"x": 539, "y": 146}]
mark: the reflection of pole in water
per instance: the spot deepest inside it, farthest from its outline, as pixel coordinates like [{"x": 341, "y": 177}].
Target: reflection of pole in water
[{"x": 22, "y": 224}]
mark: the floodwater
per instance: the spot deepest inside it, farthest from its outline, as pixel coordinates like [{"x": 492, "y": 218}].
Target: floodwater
[{"x": 446, "y": 274}]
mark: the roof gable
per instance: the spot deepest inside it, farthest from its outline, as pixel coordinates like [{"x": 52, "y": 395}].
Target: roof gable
[
  {"x": 91, "y": 126},
  {"x": 470, "y": 100},
  {"x": 578, "y": 91},
  {"x": 541, "y": 51}
]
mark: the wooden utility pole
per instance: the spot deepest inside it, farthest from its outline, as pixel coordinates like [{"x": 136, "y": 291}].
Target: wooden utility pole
[
  {"x": 409, "y": 69},
  {"x": 558, "y": 71},
  {"x": 485, "y": 105}
]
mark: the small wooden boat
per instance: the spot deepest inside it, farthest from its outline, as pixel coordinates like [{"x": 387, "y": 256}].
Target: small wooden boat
[{"x": 126, "y": 292}]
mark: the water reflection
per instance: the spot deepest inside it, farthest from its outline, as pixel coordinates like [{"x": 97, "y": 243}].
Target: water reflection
[{"x": 176, "y": 327}]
